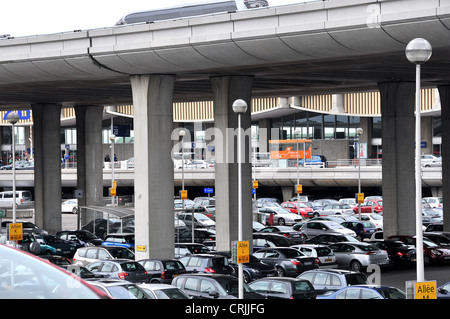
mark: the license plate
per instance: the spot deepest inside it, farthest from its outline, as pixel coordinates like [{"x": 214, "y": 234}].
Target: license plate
[
  {"x": 307, "y": 263},
  {"x": 328, "y": 259}
]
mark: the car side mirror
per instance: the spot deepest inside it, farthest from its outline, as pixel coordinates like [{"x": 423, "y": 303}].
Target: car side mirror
[
  {"x": 443, "y": 291},
  {"x": 214, "y": 294}
]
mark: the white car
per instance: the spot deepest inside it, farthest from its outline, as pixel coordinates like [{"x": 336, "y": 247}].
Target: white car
[
  {"x": 375, "y": 218},
  {"x": 324, "y": 254},
  {"x": 429, "y": 160},
  {"x": 314, "y": 228},
  {"x": 434, "y": 201},
  {"x": 69, "y": 206}
]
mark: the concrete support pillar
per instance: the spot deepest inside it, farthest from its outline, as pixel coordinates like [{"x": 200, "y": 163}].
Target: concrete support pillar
[
  {"x": 287, "y": 192},
  {"x": 444, "y": 94},
  {"x": 47, "y": 166},
  {"x": 89, "y": 160},
  {"x": 226, "y": 90},
  {"x": 153, "y": 165},
  {"x": 264, "y": 135},
  {"x": 397, "y": 113}
]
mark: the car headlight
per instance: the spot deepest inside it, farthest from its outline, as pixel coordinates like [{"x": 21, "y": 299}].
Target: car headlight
[{"x": 436, "y": 252}]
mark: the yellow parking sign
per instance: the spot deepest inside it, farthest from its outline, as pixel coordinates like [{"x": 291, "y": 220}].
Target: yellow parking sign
[
  {"x": 243, "y": 252},
  {"x": 425, "y": 290},
  {"x": 15, "y": 231}
]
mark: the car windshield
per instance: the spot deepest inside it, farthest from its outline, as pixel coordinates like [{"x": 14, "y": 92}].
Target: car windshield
[
  {"x": 201, "y": 217},
  {"x": 324, "y": 251},
  {"x": 120, "y": 252},
  {"x": 291, "y": 253},
  {"x": 231, "y": 285},
  {"x": 367, "y": 247},
  {"x": 302, "y": 287},
  {"x": 376, "y": 216},
  {"x": 356, "y": 279},
  {"x": 86, "y": 235},
  {"x": 126, "y": 292},
  {"x": 170, "y": 293},
  {"x": 392, "y": 293},
  {"x": 335, "y": 226},
  {"x": 132, "y": 266}
]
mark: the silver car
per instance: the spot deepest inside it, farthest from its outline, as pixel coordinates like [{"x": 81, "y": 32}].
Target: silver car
[
  {"x": 357, "y": 256},
  {"x": 281, "y": 216},
  {"x": 314, "y": 228},
  {"x": 335, "y": 209},
  {"x": 325, "y": 257}
]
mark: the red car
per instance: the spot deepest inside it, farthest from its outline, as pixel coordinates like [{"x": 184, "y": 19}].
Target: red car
[
  {"x": 432, "y": 253},
  {"x": 298, "y": 208},
  {"x": 370, "y": 206}
]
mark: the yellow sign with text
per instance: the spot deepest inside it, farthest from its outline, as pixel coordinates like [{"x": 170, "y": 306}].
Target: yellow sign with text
[
  {"x": 243, "y": 252},
  {"x": 15, "y": 231},
  {"x": 425, "y": 290}
]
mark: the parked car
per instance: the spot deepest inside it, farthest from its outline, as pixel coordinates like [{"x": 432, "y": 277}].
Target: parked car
[
  {"x": 22, "y": 276},
  {"x": 435, "y": 228},
  {"x": 163, "y": 291},
  {"x": 265, "y": 240},
  {"x": 314, "y": 161},
  {"x": 201, "y": 235},
  {"x": 399, "y": 253},
  {"x": 334, "y": 209},
  {"x": 162, "y": 270},
  {"x": 81, "y": 238},
  {"x": 281, "y": 216},
  {"x": 200, "y": 220},
  {"x": 438, "y": 238},
  {"x": 122, "y": 240},
  {"x": 286, "y": 231},
  {"x": 212, "y": 286},
  {"x": 9, "y": 166},
  {"x": 324, "y": 255},
  {"x": 324, "y": 201},
  {"x": 323, "y": 227},
  {"x": 62, "y": 247},
  {"x": 357, "y": 256},
  {"x": 370, "y": 206},
  {"x": 329, "y": 239},
  {"x": 207, "y": 263},
  {"x": 22, "y": 198},
  {"x": 118, "y": 289},
  {"x": 86, "y": 255},
  {"x": 429, "y": 160},
  {"x": 298, "y": 208},
  {"x": 208, "y": 210},
  {"x": 376, "y": 219},
  {"x": 443, "y": 291},
  {"x": 29, "y": 239},
  {"x": 69, "y": 206},
  {"x": 284, "y": 288},
  {"x": 252, "y": 270},
  {"x": 432, "y": 253},
  {"x": 365, "y": 292},
  {"x": 324, "y": 280},
  {"x": 27, "y": 227},
  {"x": 288, "y": 261},
  {"x": 363, "y": 229},
  {"x": 123, "y": 269},
  {"x": 182, "y": 249},
  {"x": 434, "y": 201}
]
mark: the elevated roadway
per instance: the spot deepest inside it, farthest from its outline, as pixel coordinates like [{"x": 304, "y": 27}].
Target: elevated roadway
[
  {"x": 371, "y": 176},
  {"x": 318, "y": 47}
]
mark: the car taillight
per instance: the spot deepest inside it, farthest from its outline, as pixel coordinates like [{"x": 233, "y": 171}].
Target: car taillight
[
  {"x": 287, "y": 235},
  {"x": 317, "y": 261},
  {"x": 295, "y": 262},
  {"x": 122, "y": 275},
  {"x": 371, "y": 253},
  {"x": 163, "y": 274},
  {"x": 209, "y": 270}
]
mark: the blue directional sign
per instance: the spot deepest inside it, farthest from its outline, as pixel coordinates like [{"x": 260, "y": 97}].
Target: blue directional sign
[{"x": 208, "y": 190}]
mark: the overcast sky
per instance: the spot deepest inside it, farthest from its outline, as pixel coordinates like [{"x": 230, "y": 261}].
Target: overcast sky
[{"x": 31, "y": 17}]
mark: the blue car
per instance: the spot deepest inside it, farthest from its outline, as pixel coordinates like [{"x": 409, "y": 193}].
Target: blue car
[
  {"x": 365, "y": 292},
  {"x": 443, "y": 291},
  {"x": 121, "y": 240}
]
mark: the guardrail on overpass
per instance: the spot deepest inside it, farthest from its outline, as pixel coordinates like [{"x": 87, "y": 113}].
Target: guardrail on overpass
[{"x": 338, "y": 176}]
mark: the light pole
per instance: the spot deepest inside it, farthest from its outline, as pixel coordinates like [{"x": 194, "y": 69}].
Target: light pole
[
  {"x": 239, "y": 107},
  {"x": 182, "y": 133},
  {"x": 13, "y": 118},
  {"x": 359, "y": 132},
  {"x": 297, "y": 133},
  {"x": 418, "y": 51}
]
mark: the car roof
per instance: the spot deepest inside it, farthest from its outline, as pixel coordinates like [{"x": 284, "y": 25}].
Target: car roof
[{"x": 335, "y": 271}]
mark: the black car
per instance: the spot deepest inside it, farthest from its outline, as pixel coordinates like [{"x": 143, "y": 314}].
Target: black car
[
  {"x": 328, "y": 239},
  {"x": 297, "y": 236},
  {"x": 208, "y": 263},
  {"x": 184, "y": 235},
  {"x": 63, "y": 247},
  {"x": 254, "y": 269},
  {"x": 81, "y": 238},
  {"x": 284, "y": 288},
  {"x": 212, "y": 286},
  {"x": 288, "y": 261},
  {"x": 399, "y": 253},
  {"x": 438, "y": 238},
  {"x": 162, "y": 270},
  {"x": 183, "y": 249},
  {"x": 265, "y": 240}
]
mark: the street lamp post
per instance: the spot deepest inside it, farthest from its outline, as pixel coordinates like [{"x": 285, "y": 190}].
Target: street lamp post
[
  {"x": 239, "y": 107},
  {"x": 182, "y": 133},
  {"x": 13, "y": 118},
  {"x": 418, "y": 51},
  {"x": 359, "y": 132},
  {"x": 297, "y": 133}
]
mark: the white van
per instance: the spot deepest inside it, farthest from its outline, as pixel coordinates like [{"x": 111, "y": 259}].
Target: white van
[{"x": 22, "y": 197}]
